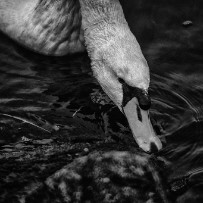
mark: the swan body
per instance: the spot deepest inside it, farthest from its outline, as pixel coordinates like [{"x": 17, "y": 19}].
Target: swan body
[
  {"x": 67, "y": 26},
  {"x": 47, "y": 26}
]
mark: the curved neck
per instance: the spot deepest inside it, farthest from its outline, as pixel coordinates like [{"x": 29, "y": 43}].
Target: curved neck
[
  {"x": 98, "y": 12},
  {"x": 100, "y": 20},
  {"x": 104, "y": 24}
]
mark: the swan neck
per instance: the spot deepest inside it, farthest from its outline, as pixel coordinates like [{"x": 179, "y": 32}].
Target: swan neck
[
  {"x": 98, "y": 13},
  {"x": 103, "y": 22}
]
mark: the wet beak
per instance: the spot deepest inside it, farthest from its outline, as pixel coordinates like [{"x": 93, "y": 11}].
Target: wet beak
[{"x": 141, "y": 127}]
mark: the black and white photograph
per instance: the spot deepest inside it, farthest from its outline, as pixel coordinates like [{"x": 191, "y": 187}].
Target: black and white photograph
[{"x": 101, "y": 101}]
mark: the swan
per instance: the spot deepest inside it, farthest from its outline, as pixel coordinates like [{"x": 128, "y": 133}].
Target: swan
[{"x": 60, "y": 27}]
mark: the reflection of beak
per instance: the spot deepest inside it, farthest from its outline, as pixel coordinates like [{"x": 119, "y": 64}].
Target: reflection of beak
[{"x": 141, "y": 127}]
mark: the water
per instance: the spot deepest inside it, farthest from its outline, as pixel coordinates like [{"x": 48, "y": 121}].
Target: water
[{"x": 56, "y": 100}]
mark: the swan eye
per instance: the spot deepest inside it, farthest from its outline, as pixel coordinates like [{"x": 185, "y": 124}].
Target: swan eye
[
  {"x": 141, "y": 95},
  {"x": 144, "y": 100}
]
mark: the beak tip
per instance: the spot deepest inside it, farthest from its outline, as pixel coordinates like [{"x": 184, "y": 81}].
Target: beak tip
[{"x": 152, "y": 147}]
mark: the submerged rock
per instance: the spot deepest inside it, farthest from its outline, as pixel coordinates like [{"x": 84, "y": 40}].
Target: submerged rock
[{"x": 104, "y": 177}]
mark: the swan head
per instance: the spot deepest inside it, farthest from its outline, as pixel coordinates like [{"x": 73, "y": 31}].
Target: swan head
[
  {"x": 119, "y": 66},
  {"x": 123, "y": 74}
]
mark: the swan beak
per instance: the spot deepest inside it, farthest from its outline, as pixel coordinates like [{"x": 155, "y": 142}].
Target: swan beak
[{"x": 141, "y": 127}]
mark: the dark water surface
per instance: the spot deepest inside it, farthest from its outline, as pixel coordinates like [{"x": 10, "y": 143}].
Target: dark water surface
[{"x": 52, "y": 110}]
